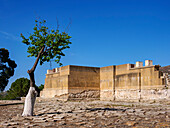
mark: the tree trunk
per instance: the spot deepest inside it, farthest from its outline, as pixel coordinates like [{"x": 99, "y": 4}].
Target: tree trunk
[
  {"x": 32, "y": 93},
  {"x": 30, "y": 98},
  {"x": 29, "y": 102}
]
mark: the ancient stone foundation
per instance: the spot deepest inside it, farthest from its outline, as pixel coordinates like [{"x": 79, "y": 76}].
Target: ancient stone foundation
[
  {"x": 135, "y": 95},
  {"x": 85, "y": 94},
  {"x": 53, "y": 92}
]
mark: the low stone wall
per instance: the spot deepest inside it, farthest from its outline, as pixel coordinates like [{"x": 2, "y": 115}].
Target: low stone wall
[
  {"x": 107, "y": 95},
  {"x": 52, "y": 92},
  {"x": 127, "y": 94},
  {"x": 135, "y": 95},
  {"x": 155, "y": 94},
  {"x": 64, "y": 95},
  {"x": 85, "y": 94}
]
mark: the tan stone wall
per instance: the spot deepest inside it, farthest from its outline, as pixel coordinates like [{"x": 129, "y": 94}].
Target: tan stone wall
[
  {"x": 132, "y": 78},
  {"x": 126, "y": 78},
  {"x": 65, "y": 70},
  {"x": 107, "y": 82},
  {"x": 56, "y": 83},
  {"x": 121, "y": 82},
  {"x": 150, "y": 78},
  {"x": 125, "y": 82},
  {"x": 122, "y": 69},
  {"x": 83, "y": 78},
  {"x": 71, "y": 79}
]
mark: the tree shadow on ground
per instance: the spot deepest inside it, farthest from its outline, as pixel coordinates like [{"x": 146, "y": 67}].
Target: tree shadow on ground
[
  {"x": 11, "y": 104},
  {"x": 48, "y": 113},
  {"x": 53, "y": 113},
  {"x": 106, "y": 109}
]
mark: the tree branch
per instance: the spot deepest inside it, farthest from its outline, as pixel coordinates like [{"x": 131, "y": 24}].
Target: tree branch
[
  {"x": 47, "y": 49},
  {"x": 57, "y": 24},
  {"x": 36, "y": 62},
  {"x": 68, "y": 26}
]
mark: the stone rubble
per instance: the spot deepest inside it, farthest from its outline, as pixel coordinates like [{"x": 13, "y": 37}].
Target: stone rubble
[{"x": 71, "y": 114}]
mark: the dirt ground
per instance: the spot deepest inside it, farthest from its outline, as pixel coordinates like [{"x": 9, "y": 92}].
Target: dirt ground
[{"x": 87, "y": 114}]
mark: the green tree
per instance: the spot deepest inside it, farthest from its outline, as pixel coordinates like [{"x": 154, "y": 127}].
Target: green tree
[
  {"x": 20, "y": 88},
  {"x": 44, "y": 44},
  {"x": 7, "y": 67},
  {"x": 41, "y": 87}
]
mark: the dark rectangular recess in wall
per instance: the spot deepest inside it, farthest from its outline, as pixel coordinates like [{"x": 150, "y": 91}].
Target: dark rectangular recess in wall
[
  {"x": 160, "y": 74},
  {"x": 157, "y": 67},
  {"x": 132, "y": 66}
]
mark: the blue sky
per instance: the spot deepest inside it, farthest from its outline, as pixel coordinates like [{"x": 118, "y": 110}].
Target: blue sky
[{"x": 104, "y": 32}]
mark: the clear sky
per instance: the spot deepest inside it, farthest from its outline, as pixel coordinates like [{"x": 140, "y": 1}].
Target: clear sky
[{"x": 104, "y": 32}]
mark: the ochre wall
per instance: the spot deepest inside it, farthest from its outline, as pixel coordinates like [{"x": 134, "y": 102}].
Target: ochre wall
[
  {"x": 114, "y": 82},
  {"x": 83, "y": 78},
  {"x": 107, "y": 84},
  {"x": 71, "y": 79},
  {"x": 132, "y": 78},
  {"x": 56, "y": 83},
  {"x": 150, "y": 78},
  {"x": 124, "y": 78},
  {"x": 126, "y": 81}
]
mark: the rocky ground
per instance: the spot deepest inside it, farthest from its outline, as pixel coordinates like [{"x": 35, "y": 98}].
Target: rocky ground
[{"x": 95, "y": 114}]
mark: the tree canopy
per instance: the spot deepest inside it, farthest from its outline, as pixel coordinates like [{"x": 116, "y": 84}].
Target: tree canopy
[
  {"x": 51, "y": 42},
  {"x": 7, "y": 67}
]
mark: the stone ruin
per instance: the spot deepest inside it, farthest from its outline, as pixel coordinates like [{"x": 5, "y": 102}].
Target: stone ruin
[{"x": 117, "y": 82}]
